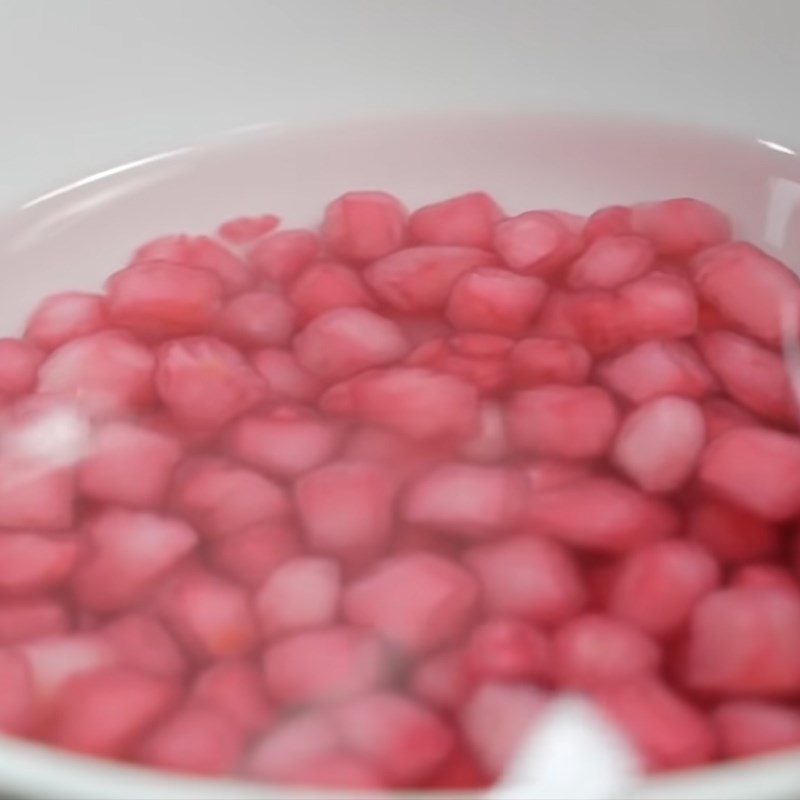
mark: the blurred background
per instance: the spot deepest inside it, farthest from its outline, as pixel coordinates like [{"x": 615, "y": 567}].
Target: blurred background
[{"x": 87, "y": 84}]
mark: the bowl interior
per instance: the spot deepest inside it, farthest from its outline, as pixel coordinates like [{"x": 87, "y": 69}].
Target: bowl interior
[{"x": 76, "y": 236}]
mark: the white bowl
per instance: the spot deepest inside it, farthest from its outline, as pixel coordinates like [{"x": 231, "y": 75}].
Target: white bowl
[{"x": 74, "y": 237}]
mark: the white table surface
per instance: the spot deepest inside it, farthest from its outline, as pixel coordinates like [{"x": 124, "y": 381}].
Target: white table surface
[{"x": 88, "y": 84}]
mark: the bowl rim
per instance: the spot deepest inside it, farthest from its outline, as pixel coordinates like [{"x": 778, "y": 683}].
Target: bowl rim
[{"x": 219, "y": 142}]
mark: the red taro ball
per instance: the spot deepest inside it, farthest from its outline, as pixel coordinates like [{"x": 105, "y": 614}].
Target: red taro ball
[
  {"x": 657, "y": 586},
  {"x": 497, "y": 718},
  {"x": 251, "y": 553},
  {"x": 600, "y": 514},
  {"x": 745, "y": 640},
  {"x": 211, "y": 616},
  {"x": 158, "y": 299},
  {"x": 363, "y": 226},
  {"x": 284, "y": 376},
  {"x": 107, "y": 372},
  {"x": 324, "y": 664},
  {"x": 752, "y": 375},
  {"x": 528, "y": 576},
  {"x": 301, "y": 593},
  {"x": 537, "y": 242},
  {"x": 537, "y": 361},
  {"x": 668, "y": 730},
  {"x": 610, "y": 261},
  {"x": 235, "y": 687},
  {"x": 730, "y": 534},
  {"x": 495, "y": 300},
  {"x": 596, "y": 650},
  {"x": 417, "y": 601},
  {"x": 19, "y": 363},
  {"x": 658, "y": 445},
  {"x": 141, "y": 641},
  {"x": 200, "y": 252},
  {"x": 466, "y": 500},
  {"x": 130, "y": 551},
  {"x": 419, "y": 279},
  {"x": 285, "y": 441},
  {"x": 32, "y": 563},
  {"x": 204, "y": 382},
  {"x": 129, "y": 464},
  {"x": 26, "y": 619},
  {"x": 242, "y": 230},
  {"x": 104, "y": 713},
  {"x": 61, "y": 317},
  {"x": 750, "y": 289},
  {"x": 194, "y": 739},
  {"x": 680, "y": 227},
  {"x": 281, "y": 256},
  {"x": 418, "y": 403},
  {"x": 326, "y": 285},
  {"x": 656, "y": 368},
  {"x": 345, "y": 341},
  {"x": 406, "y": 740},
  {"x": 751, "y": 727},
  {"x": 757, "y": 469},
  {"x": 220, "y": 497},
  {"x": 17, "y": 701},
  {"x": 346, "y": 508},
  {"x": 508, "y": 649},
  {"x": 562, "y": 421},
  {"x": 467, "y": 220},
  {"x": 442, "y": 679},
  {"x": 256, "y": 319}
]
